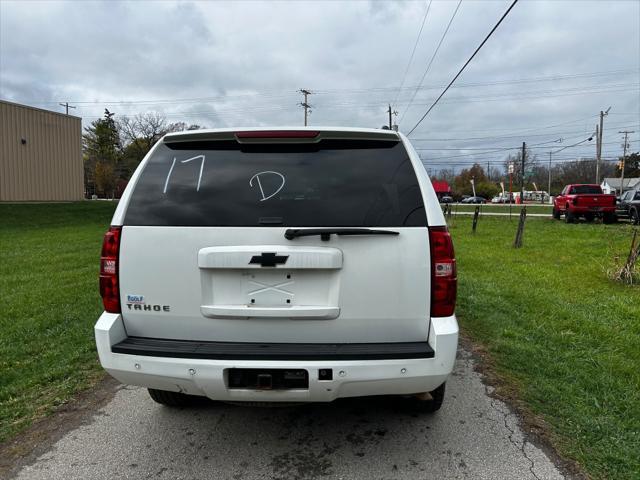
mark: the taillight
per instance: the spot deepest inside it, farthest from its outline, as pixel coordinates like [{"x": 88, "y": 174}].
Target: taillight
[
  {"x": 109, "y": 289},
  {"x": 443, "y": 273}
]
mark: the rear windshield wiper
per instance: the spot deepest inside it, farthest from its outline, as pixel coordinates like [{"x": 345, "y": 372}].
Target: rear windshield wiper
[{"x": 325, "y": 233}]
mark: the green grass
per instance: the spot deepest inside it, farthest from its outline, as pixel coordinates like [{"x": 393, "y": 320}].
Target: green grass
[
  {"x": 560, "y": 333},
  {"x": 49, "y": 259}
]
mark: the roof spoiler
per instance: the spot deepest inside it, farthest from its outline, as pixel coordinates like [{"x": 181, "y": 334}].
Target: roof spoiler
[{"x": 280, "y": 136}]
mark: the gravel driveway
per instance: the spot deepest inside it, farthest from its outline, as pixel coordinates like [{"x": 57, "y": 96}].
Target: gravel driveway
[{"x": 474, "y": 436}]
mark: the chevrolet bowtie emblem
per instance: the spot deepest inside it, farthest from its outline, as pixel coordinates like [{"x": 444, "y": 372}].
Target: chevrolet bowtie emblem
[{"x": 269, "y": 259}]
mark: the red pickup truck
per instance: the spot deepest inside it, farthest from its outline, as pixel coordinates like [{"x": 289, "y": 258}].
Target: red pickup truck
[{"x": 586, "y": 201}]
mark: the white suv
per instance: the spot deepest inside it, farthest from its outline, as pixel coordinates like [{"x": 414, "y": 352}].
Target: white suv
[{"x": 288, "y": 265}]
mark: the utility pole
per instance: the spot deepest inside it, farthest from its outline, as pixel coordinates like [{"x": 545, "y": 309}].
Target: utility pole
[
  {"x": 524, "y": 152},
  {"x": 305, "y": 104},
  {"x": 549, "y": 191},
  {"x": 599, "y": 142},
  {"x": 597, "y": 154},
  {"x": 488, "y": 172},
  {"x": 625, "y": 145},
  {"x": 391, "y": 114},
  {"x": 66, "y": 106}
]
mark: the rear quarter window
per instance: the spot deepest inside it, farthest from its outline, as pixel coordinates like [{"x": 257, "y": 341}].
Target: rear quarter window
[{"x": 325, "y": 184}]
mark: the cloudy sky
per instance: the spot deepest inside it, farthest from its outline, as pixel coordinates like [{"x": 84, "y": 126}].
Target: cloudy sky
[{"x": 543, "y": 76}]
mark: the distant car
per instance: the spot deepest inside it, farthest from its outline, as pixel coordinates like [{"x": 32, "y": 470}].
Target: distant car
[
  {"x": 502, "y": 199},
  {"x": 474, "y": 200},
  {"x": 628, "y": 206},
  {"x": 446, "y": 199}
]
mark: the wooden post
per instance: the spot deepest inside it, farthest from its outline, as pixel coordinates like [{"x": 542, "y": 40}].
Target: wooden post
[
  {"x": 520, "y": 233},
  {"x": 447, "y": 210},
  {"x": 634, "y": 253},
  {"x": 475, "y": 218}
]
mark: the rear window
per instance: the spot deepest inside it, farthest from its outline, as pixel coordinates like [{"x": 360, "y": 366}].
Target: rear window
[
  {"x": 330, "y": 183},
  {"x": 586, "y": 190}
]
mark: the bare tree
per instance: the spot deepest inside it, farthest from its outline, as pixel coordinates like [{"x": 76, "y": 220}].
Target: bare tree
[
  {"x": 140, "y": 133},
  {"x": 447, "y": 174}
]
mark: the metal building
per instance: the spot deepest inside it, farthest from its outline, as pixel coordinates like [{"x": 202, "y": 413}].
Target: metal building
[{"x": 40, "y": 155}]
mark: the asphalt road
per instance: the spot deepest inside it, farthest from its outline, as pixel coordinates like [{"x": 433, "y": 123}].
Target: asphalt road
[{"x": 473, "y": 436}]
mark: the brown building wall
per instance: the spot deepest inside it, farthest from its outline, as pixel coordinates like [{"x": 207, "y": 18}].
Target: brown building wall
[{"x": 48, "y": 166}]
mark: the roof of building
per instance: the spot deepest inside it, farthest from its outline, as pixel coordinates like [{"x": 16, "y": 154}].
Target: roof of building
[
  {"x": 441, "y": 186},
  {"x": 614, "y": 182},
  {"x": 43, "y": 110}
]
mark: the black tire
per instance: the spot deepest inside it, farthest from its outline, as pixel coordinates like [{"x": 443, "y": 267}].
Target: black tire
[
  {"x": 170, "y": 399},
  {"x": 433, "y": 405},
  {"x": 609, "y": 218},
  {"x": 634, "y": 216},
  {"x": 555, "y": 213},
  {"x": 569, "y": 217}
]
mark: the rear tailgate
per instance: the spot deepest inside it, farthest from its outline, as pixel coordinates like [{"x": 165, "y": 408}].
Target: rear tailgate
[
  {"x": 595, "y": 201},
  {"x": 203, "y": 253}
]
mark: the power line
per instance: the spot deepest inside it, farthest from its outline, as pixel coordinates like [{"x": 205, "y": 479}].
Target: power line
[
  {"x": 522, "y": 130},
  {"x": 481, "y": 155},
  {"x": 431, "y": 61},
  {"x": 488, "y": 84},
  {"x": 404, "y": 77},
  {"x": 287, "y": 93},
  {"x": 376, "y": 105},
  {"x": 574, "y": 145},
  {"x": 464, "y": 66},
  {"x": 517, "y": 135}
]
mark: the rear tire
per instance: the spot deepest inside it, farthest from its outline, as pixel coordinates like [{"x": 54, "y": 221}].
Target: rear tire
[
  {"x": 634, "y": 216},
  {"x": 569, "y": 217},
  {"x": 433, "y": 405},
  {"x": 609, "y": 218},
  {"x": 555, "y": 213},
  {"x": 170, "y": 399}
]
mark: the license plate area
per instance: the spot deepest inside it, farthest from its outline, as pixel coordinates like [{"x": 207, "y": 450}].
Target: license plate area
[
  {"x": 272, "y": 288},
  {"x": 267, "y": 379}
]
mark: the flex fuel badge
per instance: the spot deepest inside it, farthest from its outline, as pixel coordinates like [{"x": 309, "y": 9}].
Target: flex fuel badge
[
  {"x": 139, "y": 299},
  {"x": 136, "y": 302}
]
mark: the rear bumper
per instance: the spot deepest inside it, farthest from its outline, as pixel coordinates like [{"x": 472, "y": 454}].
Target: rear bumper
[
  {"x": 372, "y": 375},
  {"x": 577, "y": 210}
]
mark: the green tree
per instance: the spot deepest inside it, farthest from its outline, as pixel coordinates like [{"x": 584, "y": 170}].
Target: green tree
[
  {"x": 462, "y": 182},
  {"x": 631, "y": 165},
  {"x": 487, "y": 190},
  {"x": 105, "y": 178},
  {"x": 101, "y": 151}
]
